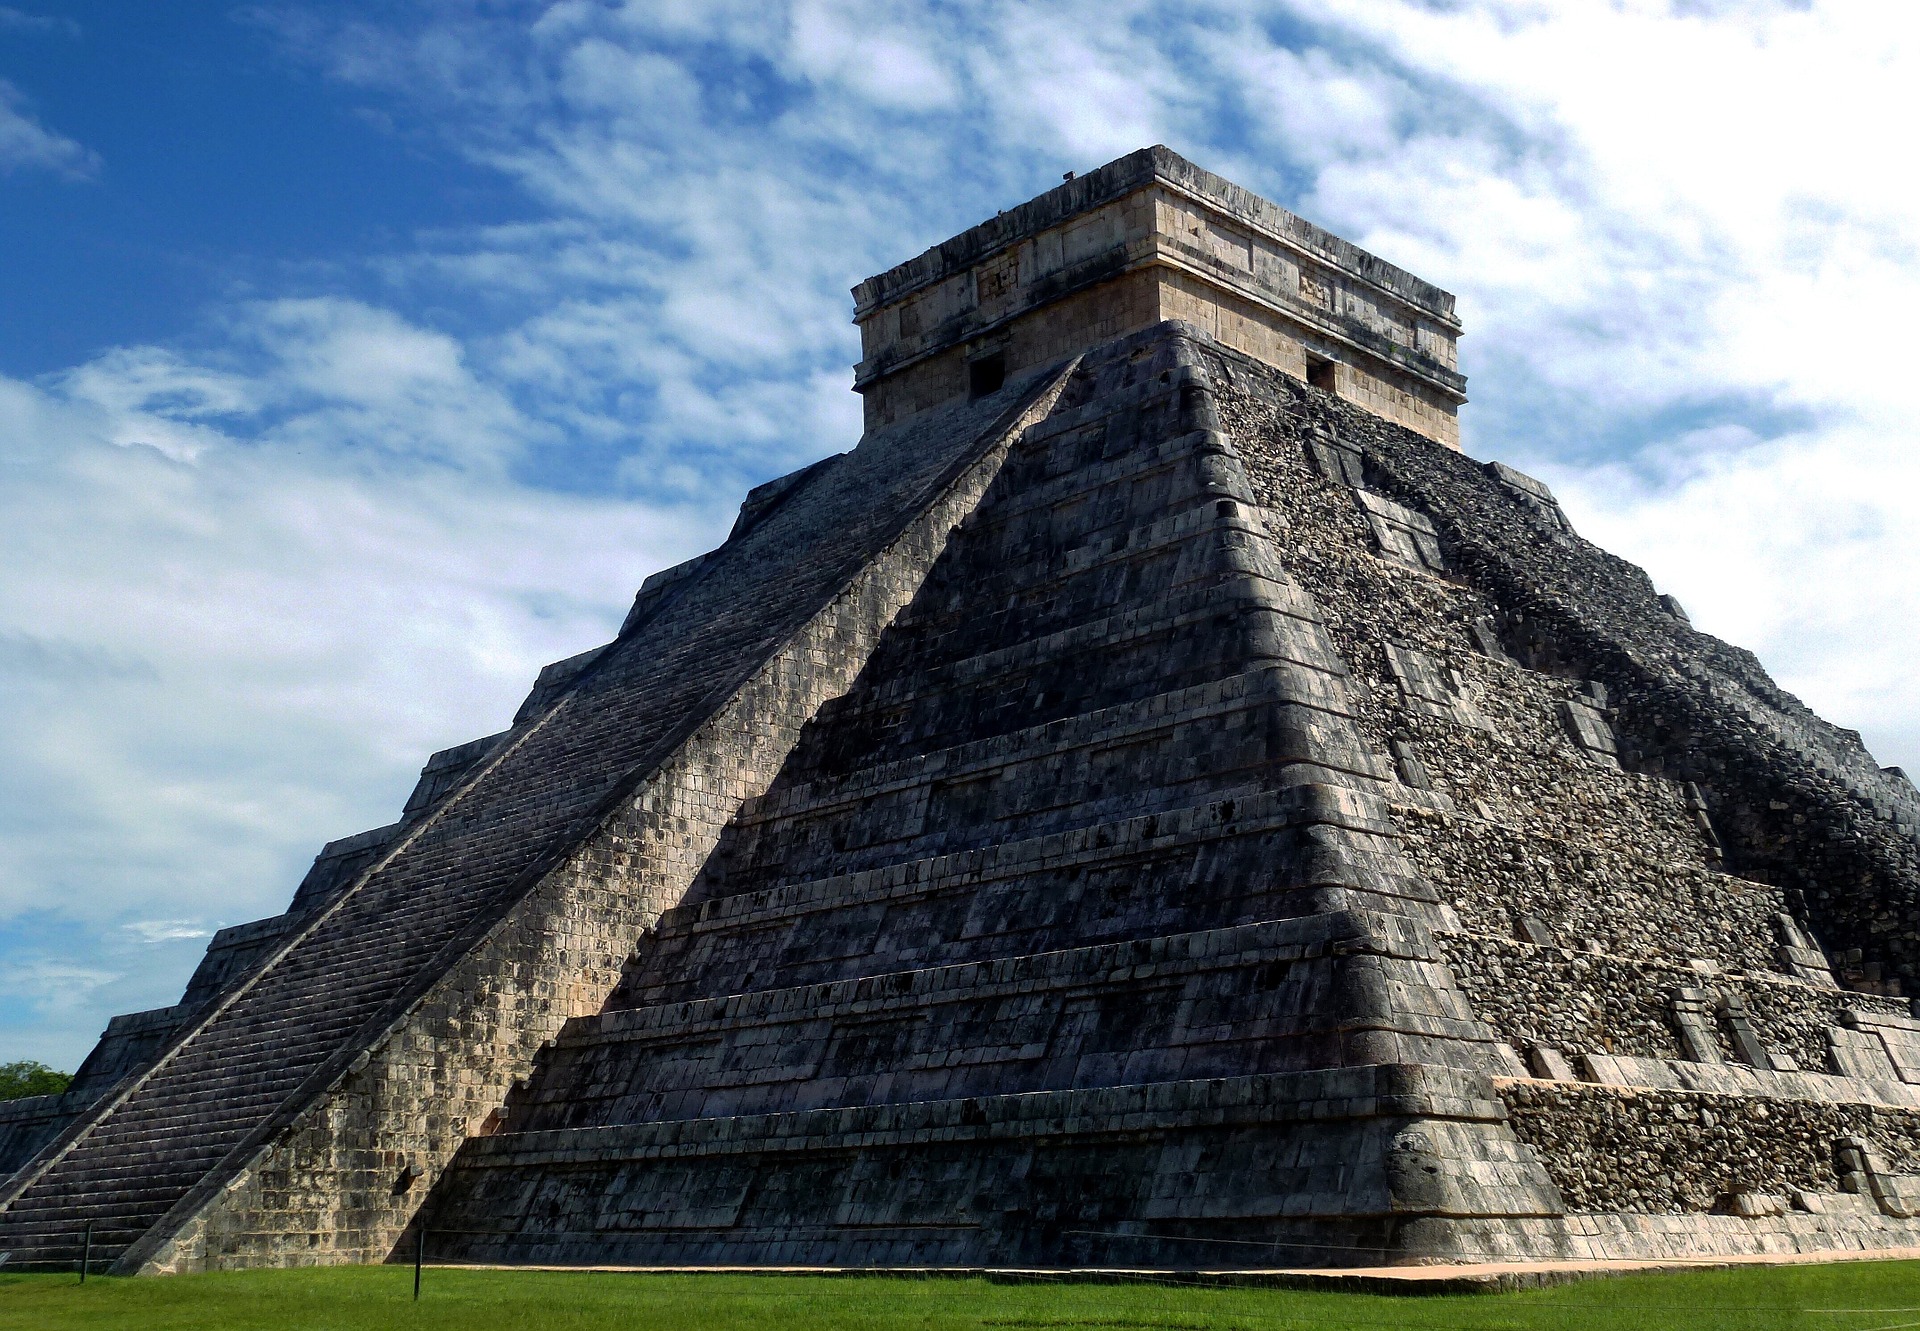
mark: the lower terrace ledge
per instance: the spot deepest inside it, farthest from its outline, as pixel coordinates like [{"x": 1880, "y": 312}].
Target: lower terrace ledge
[
  {"x": 1801, "y": 1087},
  {"x": 1447, "y": 1278},
  {"x": 1374, "y": 1090}
]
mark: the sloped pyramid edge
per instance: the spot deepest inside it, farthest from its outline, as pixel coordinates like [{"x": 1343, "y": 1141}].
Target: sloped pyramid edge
[{"x": 339, "y": 1155}]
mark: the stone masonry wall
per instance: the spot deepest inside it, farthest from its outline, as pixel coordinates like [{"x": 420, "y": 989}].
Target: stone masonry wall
[
  {"x": 1637, "y": 1151},
  {"x": 1796, "y": 801},
  {"x": 1628, "y": 903},
  {"x": 1519, "y": 819},
  {"x": 28, "y": 1124},
  {"x": 1582, "y": 1003}
]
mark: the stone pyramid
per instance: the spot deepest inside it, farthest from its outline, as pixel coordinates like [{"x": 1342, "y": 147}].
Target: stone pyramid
[{"x": 1154, "y": 803}]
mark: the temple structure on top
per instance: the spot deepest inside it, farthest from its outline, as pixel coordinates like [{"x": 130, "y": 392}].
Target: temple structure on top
[
  {"x": 1147, "y": 238},
  {"x": 1154, "y": 803}
]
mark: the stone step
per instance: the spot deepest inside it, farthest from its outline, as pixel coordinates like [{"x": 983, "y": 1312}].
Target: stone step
[
  {"x": 1170, "y": 555},
  {"x": 1108, "y": 882},
  {"x": 1271, "y": 1149},
  {"x": 1115, "y": 661},
  {"x": 1321, "y": 1095},
  {"x": 1172, "y": 955},
  {"x": 1348, "y": 807},
  {"x": 102, "y": 1199},
  {"x": 1198, "y": 462},
  {"x": 1252, "y": 998},
  {"x": 1035, "y": 545},
  {"x": 1232, "y": 738},
  {"x": 69, "y": 1232},
  {"x": 1147, "y": 619},
  {"x": 160, "y": 1116},
  {"x": 1218, "y": 702},
  {"x": 65, "y": 1256},
  {"x": 155, "y": 1167},
  {"x": 201, "y": 1119}
]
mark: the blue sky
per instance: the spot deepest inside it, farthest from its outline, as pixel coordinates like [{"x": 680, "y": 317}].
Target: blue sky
[{"x": 357, "y": 360}]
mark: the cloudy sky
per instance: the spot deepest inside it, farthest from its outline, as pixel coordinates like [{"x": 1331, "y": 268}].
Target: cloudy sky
[{"x": 358, "y": 359}]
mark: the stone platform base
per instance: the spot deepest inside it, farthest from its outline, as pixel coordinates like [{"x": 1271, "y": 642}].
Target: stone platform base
[
  {"x": 1842, "y": 1226},
  {"x": 1447, "y": 1278},
  {"x": 1481, "y": 1254}
]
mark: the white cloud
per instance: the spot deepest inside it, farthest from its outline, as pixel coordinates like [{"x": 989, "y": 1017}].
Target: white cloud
[
  {"x": 1685, "y": 267},
  {"x": 1710, "y": 182},
  {"x": 152, "y": 397},
  {"x": 18, "y": 20},
  {"x": 166, "y": 931},
  {"x": 231, "y": 652},
  {"x": 26, "y": 143},
  {"x": 867, "y": 50},
  {"x": 63, "y": 998},
  {"x": 1799, "y": 547},
  {"x": 1681, "y": 236}
]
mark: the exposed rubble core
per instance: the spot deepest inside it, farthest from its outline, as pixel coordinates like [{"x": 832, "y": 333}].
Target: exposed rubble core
[{"x": 1149, "y": 811}]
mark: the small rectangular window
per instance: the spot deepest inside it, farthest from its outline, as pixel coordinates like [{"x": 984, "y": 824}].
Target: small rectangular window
[
  {"x": 1320, "y": 373},
  {"x": 986, "y": 373}
]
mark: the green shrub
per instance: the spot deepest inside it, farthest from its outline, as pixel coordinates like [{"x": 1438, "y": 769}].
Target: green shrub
[{"x": 30, "y": 1078}]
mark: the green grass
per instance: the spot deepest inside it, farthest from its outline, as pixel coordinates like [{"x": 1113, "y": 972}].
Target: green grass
[{"x": 1876, "y": 1296}]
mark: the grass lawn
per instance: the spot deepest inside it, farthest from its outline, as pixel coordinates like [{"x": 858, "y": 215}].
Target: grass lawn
[{"x": 1877, "y": 1296}]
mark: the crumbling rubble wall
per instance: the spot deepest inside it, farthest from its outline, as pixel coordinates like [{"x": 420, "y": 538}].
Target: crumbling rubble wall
[{"x": 1644, "y": 841}]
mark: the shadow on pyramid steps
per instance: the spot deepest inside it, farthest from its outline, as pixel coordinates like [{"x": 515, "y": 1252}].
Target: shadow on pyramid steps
[{"x": 1075, "y": 932}]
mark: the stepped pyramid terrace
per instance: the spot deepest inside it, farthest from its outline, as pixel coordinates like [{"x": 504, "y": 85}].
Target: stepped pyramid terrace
[{"x": 1153, "y": 803}]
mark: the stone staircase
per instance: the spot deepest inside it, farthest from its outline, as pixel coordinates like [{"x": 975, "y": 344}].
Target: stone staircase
[{"x": 141, "y": 1163}]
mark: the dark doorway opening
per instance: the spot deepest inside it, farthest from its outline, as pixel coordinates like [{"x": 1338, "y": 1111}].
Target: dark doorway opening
[
  {"x": 985, "y": 374},
  {"x": 1320, "y": 373}
]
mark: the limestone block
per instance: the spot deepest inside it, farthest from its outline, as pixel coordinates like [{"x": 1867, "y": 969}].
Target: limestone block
[
  {"x": 1402, "y": 533},
  {"x": 1587, "y": 726},
  {"x": 1548, "y": 1062}
]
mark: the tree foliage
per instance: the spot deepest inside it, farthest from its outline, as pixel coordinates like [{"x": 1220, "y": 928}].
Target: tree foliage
[{"x": 27, "y": 1077}]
